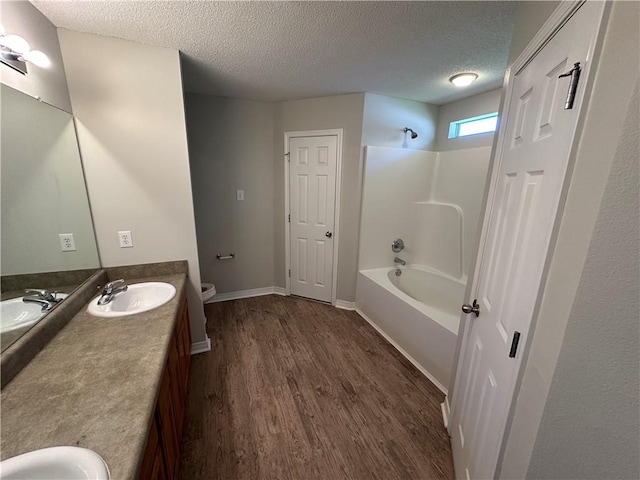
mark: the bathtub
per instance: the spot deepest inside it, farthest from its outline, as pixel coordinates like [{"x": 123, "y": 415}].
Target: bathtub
[{"x": 418, "y": 312}]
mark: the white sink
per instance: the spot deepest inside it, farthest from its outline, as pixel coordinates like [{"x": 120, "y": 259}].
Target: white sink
[
  {"x": 16, "y": 314},
  {"x": 139, "y": 297},
  {"x": 56, "y": 463}
]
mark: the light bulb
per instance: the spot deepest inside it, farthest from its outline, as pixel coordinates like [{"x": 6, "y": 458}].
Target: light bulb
[
  {"x": 463, "y": 79},
  {"x": 38, "y": 58},
  {"x": 15, "y": 43}
]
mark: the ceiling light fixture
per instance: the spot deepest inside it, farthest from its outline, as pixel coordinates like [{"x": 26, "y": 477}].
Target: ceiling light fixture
[
  {"x": 463, "y": 79},
  {"x": 15, "y": 53}
]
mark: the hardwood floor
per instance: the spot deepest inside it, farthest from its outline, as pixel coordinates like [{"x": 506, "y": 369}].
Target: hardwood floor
[{"x": 294, "y": 389}]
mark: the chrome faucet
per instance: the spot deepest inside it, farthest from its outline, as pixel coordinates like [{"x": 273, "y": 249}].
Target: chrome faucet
[
  {"x": 399, "y": 260},
  {"x": 45, "y": 304},
  {"x": 111, "y": 289},
  {"x": 42, "y": 297}
]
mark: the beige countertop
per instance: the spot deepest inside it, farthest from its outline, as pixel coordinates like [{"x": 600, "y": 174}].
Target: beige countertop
[{"x": 94, "y": 385}]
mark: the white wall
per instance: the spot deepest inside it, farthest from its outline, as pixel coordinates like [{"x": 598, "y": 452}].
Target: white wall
[
  {"x": 50, "y": 84},
  {"x": 473, "y": 106},
  {"x": 128, "y": 102},
  {"x": 385, "y": 117},
  {"x": 341, "y": 111},
  {"x": 583, "y": 255},
  {"x": 43, "y": 191},
  {"x": 231, "y": 148}
]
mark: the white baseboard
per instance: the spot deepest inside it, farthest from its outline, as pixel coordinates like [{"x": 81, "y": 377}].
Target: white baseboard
[
  {"x": 280, "y": 291},
  {"x": 254, "y": 292},
  {"x": 446, "y": 412},
  {"x": 201, "y": 347},
  {"x": 431, "y": 378},
  {"x": 344, "y": 305}
]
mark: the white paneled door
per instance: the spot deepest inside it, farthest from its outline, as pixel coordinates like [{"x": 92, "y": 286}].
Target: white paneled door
[
  {"x": 312, "y": 202},
  {"x": 535, "y": 145}
]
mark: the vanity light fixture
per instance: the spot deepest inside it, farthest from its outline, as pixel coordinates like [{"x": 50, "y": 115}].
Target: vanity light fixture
[
  {"x": 463, "y": 79},
  {"x": 15, "y": 53}
]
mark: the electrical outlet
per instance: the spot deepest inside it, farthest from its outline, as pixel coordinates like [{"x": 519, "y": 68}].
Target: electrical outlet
[
  {"x": 240, "y": 194},
  {"x": 67, "y": 242},
  {"x": 126, "y": 240}
]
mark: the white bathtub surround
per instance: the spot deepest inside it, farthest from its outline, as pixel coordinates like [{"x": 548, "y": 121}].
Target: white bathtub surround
[
  {"x": 424, "y": 328},
  {"x": 432, "y": 201},
  {"x": 429, "y": 199},
  {"x": 394, "y": 179},
  {"x": 437, "y": 236}
]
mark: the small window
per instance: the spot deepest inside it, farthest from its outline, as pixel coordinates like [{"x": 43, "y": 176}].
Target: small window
[{"x": 474, "y": 125}]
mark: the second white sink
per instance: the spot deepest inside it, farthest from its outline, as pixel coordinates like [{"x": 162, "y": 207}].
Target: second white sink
[
  {"x": 56, "y": 463},
  {"x": 139, "y": 297},
  {"x": 16, "y": 314}
]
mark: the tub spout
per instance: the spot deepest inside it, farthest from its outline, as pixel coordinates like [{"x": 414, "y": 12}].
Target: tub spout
[{"x": 399, "y": 260}]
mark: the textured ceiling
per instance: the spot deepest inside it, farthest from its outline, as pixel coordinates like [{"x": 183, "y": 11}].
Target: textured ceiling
[{"x": 276, "y": 51}]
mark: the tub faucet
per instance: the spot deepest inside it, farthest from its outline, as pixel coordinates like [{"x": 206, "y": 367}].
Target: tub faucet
[
  {"x": 111, "y": 289},
  {"x": 399, "y": 260}
]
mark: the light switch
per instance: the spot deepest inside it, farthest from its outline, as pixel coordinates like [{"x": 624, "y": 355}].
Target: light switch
[{"x": 240, "y": 194}]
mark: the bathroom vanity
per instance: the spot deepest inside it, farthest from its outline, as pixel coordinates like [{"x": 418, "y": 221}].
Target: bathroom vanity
[{"x": 116, "y": 386}]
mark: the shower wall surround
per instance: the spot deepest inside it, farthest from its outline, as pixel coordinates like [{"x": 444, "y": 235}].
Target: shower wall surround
[{"x": 431, "y": 200}]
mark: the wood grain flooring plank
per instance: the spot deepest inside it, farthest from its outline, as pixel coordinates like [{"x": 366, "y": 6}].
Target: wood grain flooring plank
[{"x": 296, "y": 389}]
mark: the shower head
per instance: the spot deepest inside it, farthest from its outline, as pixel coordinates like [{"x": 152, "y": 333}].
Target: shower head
[{"x": 413, "y": 134}]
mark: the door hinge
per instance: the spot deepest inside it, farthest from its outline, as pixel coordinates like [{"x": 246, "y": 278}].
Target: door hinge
[
  {"x": 289, "y": 272},
  {"x": 288, "y": 155},
  {"x": 289, "y": 218}
]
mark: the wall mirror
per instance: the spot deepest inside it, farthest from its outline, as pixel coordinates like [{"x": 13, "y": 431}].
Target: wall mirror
[{"x": 47, "y": 238}]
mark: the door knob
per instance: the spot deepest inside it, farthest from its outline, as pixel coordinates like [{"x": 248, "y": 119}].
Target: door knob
[
  {"x": 475, "y": 308},
  {"x": 328, "y": 234}
]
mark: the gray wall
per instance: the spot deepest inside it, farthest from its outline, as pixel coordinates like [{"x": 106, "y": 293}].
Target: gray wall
[
  {"x": 480, "y": 104},
  {"x": 231, "y": 148},
  {"x": 385, "y": 117},
  {"x": 128, "y": 102},
  {"x": 341, "y": 111},
  {"x": 591, "y": 422},
  {"x": 50, "y": 84},
  {"x": 579, "y": 248}
]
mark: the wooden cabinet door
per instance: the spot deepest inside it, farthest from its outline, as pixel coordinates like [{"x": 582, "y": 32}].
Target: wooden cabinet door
[
  {"x": 162, "y": 455},
  {"x": 183, "y": 334},
  {"x": 166, "y": 419},
  {"x": 149, "y": 469},
  {"x": 159, "y": 472}
]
